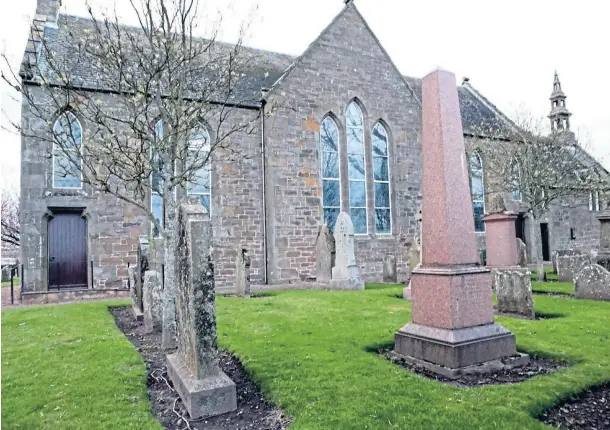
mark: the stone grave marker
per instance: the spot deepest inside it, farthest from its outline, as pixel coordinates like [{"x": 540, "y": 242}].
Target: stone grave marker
[
  {"x": 521, "y": 253},
  {"x": 325, "y": 248},
  {"x": 152, "y": 298},
  {"x": 569, "y": 265},
  {"x": 514, "y": 292},
  {"x": 389, "y": 269},
  {"x": 242, "y": 272},
  {"x": 203, "y": 387},
  {"x": 346, "y": 273},
  {"x": 592, "y": 282},
  {"x": 561, "y": 253}
]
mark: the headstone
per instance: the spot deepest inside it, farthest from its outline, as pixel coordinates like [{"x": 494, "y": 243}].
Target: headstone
[
  {"x": 452, "y": 329},
  {"x": 389, "y": 269},
  {"x": 204, "y": 389},
  {"x": 500, "y": 243},
  {"x": 521, "y": 253},
  {"x": 152, "y": 297},
  {"x": 592, "y": 282},
  {"x": 242, "y": 272},
  {"x": 569, "y": 265},
  {"x": 514, "y": 292},
  {"x": 325, "y": 248},
  {"x": 560, "y": 253},
  {"x": 132, "y": 273},
  {"x": 603, "y": 257},
  {"x": 346, "y": 273},
  {"x": 6, "y": 273},
  {"x": 414, "y": 258}
]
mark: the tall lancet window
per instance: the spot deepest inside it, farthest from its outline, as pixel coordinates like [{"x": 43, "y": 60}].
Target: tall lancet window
[
  {"x": 356, "y": 168},
  {"x": 156, "y": 178},
  {"x": 516, "y": 178},
  {"x": 381, "y": 177},
  {"x": 67, "y": 147},
  {"x": 331, "y": 182},
  {"x": 478, "y": 191},
  {"x": 200, "y": 182}
]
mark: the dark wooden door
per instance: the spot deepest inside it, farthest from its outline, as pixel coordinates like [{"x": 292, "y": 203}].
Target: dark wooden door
[
  {"x": 520, "y": 227},
  {"x": 67, "y": 251},
  {"x": 544, "y": 237}
]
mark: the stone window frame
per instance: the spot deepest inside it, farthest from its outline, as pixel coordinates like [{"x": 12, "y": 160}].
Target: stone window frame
[
  {"x": 594, "y": 201},
  {"x": 152, "y": 192},
  {"x": 64, "y": 112},
  {"x": 356, "y": 101},
  {"x": 205, "y": 127},
  {"x": 383, "y": 124},
  {"x": 330, "y": 116},
  {"x": 482, "y": 170},
  {"x": 516, "y": 193}
]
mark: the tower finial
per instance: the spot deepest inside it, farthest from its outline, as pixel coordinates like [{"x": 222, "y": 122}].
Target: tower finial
[{"x": 560, "y": 115}]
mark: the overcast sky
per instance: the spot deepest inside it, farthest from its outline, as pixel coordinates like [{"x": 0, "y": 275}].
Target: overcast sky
[{"x": 509, "y": 50}]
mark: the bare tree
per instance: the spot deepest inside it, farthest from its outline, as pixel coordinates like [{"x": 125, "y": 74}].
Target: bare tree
[
  {"x": 538, "y": 170},
  {"x": 159, "y": 104},
  {"x": 9, "y": 219}
]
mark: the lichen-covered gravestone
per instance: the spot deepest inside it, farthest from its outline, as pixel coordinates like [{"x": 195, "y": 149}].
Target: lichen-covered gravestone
[
  {"x": 204, "y": 389},
  {"x": 562, "y": 253},
  {"x": 242, "y": 272},
  {"x": 152, "y": 298},
  {"x": 346, "y": 273},
  {"x": 592, "y": 282},
  {"x": 514, "y": 292},
  {"x": 136, "y": 297},
  {"x": 414, "y": 261},
  {"x": 521, "y": 253},
  {"x": 389, "y": 269},
  {"x": 325, "y": 246},
  {"x": 569, "y": 265}
]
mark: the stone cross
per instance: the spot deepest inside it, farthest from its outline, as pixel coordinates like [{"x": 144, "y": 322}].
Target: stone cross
[
  {"x": 346, "y": 273},
  {"x": 452, "y": 311},
  {"x": 242, "y": 272},
  {"x": 325, "y": 245},
  {"x": 204, "y": 388}
]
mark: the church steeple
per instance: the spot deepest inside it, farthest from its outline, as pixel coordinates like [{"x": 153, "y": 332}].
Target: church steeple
[{"x": 560, "y": 115}]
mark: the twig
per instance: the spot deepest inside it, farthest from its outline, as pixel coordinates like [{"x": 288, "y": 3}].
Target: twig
[{"x": 180, "y": 415}]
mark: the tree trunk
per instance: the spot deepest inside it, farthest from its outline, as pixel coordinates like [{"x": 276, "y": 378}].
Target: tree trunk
[{"x": 168, "y": 337}]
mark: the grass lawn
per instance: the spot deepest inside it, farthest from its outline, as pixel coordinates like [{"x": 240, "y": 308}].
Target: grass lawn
[
  {"x": 309, "y": 351},
  {"x": 553, "y": 287},
  {"x": 550, "y": 275},
  {"x": 8, "y": 283}
]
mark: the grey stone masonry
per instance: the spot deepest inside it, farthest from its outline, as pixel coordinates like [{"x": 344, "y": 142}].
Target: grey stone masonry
[
  {"x": 569, "y": 265},
  {"x": 152, "y": 300},
  {"x": 345, "y": 274},
  {"x": 242, "y": 272},
  {"x": 325, "y": 254},
  {"x": 514, "y": 291},
  {"x": 592, "y": 282},
  {"x": 203, "y": 387}
]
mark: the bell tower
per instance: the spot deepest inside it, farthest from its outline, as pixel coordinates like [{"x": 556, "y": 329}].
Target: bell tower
[{"x": 560, "y": 115}]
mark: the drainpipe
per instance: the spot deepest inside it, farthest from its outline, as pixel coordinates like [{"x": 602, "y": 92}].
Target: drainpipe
[{"x": 263, "y": 164}]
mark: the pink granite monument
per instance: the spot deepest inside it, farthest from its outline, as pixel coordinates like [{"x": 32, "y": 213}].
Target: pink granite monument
[
  {"x": 500, "y": 243},
  {"x": 453, "y": 327}
]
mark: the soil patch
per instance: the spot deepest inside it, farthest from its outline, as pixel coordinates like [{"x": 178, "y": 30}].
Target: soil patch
[
  {"x": 253, "y": 411},
  {"x": 536, "y": 366},
  {"x": 589, "y": 410}
]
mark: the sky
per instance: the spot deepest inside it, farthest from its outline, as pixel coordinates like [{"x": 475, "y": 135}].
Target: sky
[{"x": 509, "y": 50}]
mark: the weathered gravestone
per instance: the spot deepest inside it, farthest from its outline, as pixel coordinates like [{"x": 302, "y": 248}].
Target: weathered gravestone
[
  {"x": 569, "y": 265},
  {"x": 242, "y": 272},
  {"x": 203, "y": 387},
  {"x": 562, "y": 253},
  {"x": 6, "y": 273},
  {"x": 389, "y": 269},
  {"x": 512, "y": 283},
  {"x": 514, "y": 291},
  {"x": 592, "y": 282},
  {"x": 414, "y": 261},
  {"x": 136, "y": 302},
  {"x": 346, "y": 273},
  {"x": 152, "y": 299},
  {"x": 521, "y": 253},
  {"x": 603, "y": 257},
  {"x": 325, "y": 249}
]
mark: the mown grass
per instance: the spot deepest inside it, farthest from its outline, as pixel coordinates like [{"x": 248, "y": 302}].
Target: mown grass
[
  {"x": 69, "y": 367},
  {"x": 553, "y": 288},
  {"x": 312, "y": 352}
]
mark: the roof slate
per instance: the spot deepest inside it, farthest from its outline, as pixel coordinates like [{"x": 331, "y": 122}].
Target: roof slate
[{"x": 263, "y": 71}]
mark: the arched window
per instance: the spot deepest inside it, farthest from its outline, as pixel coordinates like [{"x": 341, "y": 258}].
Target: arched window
[
  {"x": 67, "y": 146},
  {"x": 156, "y": 178},
  {"x": 478, "y": 191},
  {"x": 516, "y": 180},
  {"x": 381, "y": 177},
  {"x": 198, "y": 166},
  {"x": 331, "y": 183},
  {"x": 356, "y": 171}
]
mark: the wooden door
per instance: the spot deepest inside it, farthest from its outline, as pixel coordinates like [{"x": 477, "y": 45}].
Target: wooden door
[{"x": 67, "y": 251}]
